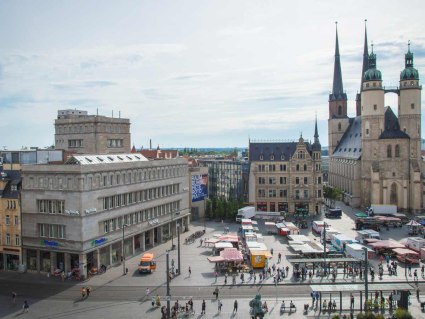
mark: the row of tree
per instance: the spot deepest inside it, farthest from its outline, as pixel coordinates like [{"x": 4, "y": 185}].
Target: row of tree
[
  {"x": 221, "y": 208},
  {"x": 331, "y": 195}
]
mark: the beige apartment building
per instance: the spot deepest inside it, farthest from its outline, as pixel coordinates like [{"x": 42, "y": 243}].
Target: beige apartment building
[
  {"x": 286, "y": 176},
  {"x": 80, "y": 133},
  {"x": 80, "y": 214},
  {"x": 10, "y": 219}
]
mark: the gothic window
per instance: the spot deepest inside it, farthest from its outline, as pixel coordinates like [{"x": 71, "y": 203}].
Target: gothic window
[
  {"x": 389, "y": 151},
  {"x": 397, "y": 151},
  {"x": 339, "y": 126},
  {"x": 339, "y": 110}
]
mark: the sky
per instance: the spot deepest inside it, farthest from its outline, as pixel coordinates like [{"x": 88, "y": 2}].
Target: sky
[{"x": 193, "y": 73}]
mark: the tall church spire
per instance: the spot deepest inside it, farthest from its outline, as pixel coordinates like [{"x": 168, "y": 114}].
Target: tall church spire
[
  {"x": 337, "y": 88},
  {"x": 365, "y": 55},
  {"x": 316, "y": 144},
  {"x": 365, "y": 67}
]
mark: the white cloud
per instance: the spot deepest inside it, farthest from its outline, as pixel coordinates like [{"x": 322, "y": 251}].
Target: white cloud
[{"x": 194, "y": 73}]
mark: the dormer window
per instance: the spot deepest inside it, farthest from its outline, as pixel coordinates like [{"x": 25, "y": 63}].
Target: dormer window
[
  {"x": 261, "y": 157},
  {"x": 272, "y": 157},
  {"x": 282, "y": 157}
]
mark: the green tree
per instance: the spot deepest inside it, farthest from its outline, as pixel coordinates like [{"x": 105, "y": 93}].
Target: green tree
[
  {"x": 208, "y": 209},
  {"x": 331, "y": 194},
  {"x": 220, "y": 209}
]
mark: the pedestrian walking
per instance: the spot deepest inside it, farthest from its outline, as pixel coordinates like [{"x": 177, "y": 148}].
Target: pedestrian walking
[
  {"x": 216, "y": 292},
  {"x": 25, "y": 307},
  {"x": 190, "y": 271},
  {"x": 203, "y": 307},
  {"x": 219, "y": 305},
  {"x": 153, "y": 301},
  {"x": 422, "y": 271},
  {"x": 279, "y": 257},
  {"x": 235, "y": 306},
  {"x": 271, "y": 251},
  {"x": 147, "y": 293},
  {"x": 216, "y": 276},
  {"x": 409, "y": 267},
  {"x": 225, "y": 278},
  {"x": 14, "y": 297},
  {"x": 415, "y": 275},
  {"x": 351, "y": 301}
]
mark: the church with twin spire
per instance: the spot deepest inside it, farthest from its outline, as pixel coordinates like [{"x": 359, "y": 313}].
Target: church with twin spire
[{"x": 375, "y": 157}]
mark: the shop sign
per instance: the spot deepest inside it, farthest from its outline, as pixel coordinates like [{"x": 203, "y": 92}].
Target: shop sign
[
  {"x": 72, "y": 212},
  {"x": 90, "y": 210},
  {"x": 153, "y": 221},
  {"x": 98, "y": 242},
  {"x": 49, "y": 243}
]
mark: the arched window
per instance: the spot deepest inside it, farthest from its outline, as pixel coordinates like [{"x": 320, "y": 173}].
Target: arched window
[
  {"x": 389, "y": 151},
  {"x": 305, "y": 167},
  {"x": 339, "y": 126},
  {"x": 397, "y": 151},
  {"x": 298, "y": 167},
  {"x": 339, "y": 110}
]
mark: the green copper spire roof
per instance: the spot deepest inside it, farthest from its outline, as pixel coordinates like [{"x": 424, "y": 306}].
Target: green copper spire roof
[
  {"x": 337, "y": 88},
  {"x": 409, "y": 72},
  {"x": 316, "y": 144},
  {"x": 372, "y": 73}
]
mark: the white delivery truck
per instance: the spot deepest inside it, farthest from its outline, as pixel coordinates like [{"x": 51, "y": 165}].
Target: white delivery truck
[
  {"x": 382, "y": 210},
  {"x": 318, "y": 226},
  {"x": 247, "y": 212},
  {"x": 357, "y": 251},
  {"x": 329, "y": 232}
]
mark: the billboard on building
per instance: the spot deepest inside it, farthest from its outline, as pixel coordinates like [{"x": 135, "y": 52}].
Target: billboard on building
[{"x": 199, "y": 187}]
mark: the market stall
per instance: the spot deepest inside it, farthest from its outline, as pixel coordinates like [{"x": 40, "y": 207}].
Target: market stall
[{"x": 406, "y": 256}]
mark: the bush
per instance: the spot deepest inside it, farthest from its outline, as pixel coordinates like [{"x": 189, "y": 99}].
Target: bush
[
  {"x": 402, "y": 314},
  {"x": 335, "y": 317},
  {"x": 367, "y": 315}
]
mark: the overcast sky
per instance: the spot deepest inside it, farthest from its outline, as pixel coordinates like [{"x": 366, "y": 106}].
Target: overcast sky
[{"x": 193, "y": 73}]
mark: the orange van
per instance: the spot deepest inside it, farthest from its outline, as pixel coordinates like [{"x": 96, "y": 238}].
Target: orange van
[{"x": 147, "y": 263}]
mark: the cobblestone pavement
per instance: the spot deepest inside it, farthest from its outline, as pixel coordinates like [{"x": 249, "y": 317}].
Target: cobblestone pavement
[{"x": 117, "y": 295}]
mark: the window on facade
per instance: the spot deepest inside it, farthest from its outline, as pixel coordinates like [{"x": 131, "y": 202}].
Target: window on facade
[
  {"x": 305, "y": 180},
  {"x": 272, "y": 157},
  {"x": 305, "y": 167},
  {"x": 339, "y": 109},
  {"x": 319, "y": 180},
  {"x": 7, "y": 219},
  {"x": 282, "y": 180},
  {"x": 389, "y": 151},
  {"x": 319, "y": 193},
  {"x": 261, "y": 157},
  {"x": 339, "y": 127},
  {"x": 272, "y": 168},
  {"x": 114, "y": 143},
  {"x": 297, "y": 180},
  {"x": 412, "y": 105},
  {"x": 272, "y": 193},
  {"x": 16, "y": 220},
  {"x": 272, "y": 180},
  {"x": 297, "y": 194},
  {"x": 306, "y": 193},
  {"x": 282, "y": 167},
  {"x": 75, "y": 143},
  {"x": 297, "y": 167},
  {"x": 282, "y": 157},
  {"x": 7, "y": 239},
  {"x": 262, "y": 168},
  {"x": 50, "y": 206},
  {"x": 375, "y": 107},
  {"x": 17, "y": 240},
  {"x": 397, "y": 151},
  {"x": 261, "y": 193}
]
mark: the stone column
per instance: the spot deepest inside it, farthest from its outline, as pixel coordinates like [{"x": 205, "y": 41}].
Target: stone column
[
  {"x": 38, "y": 260},
  {"x": 82, "y": 260},
  {"x": 142, "y": 243},
  {"x": 152, "y": 234},
  {"x": 53, "y": 262},
  {"x": 67, "y": 262}
]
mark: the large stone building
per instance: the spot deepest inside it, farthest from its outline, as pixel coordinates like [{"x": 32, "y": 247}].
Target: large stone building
[
  {"x": 81, "y": 213},
  {"x": 10, "y": 219},
  {"x": 375, "y": 157},
  {"x": 286, "y": 176},
  {"x": 80, "y": 133}
]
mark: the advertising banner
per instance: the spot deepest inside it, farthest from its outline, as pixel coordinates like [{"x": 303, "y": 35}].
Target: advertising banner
[{"x": 199, "y": 187}]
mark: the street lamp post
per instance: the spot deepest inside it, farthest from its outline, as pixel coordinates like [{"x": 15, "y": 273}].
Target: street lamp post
[
  {"x": 168, "y": 297},
  {"x": 365, "y": 275},
  {"x": 178, "y": 248},
  {"x": 123, "y": 252},
  {"x": 324, "y": 246}
]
